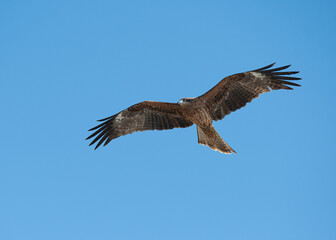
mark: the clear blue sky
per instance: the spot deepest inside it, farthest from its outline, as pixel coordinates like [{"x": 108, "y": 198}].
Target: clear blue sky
[{"x": 64, "y": 64}]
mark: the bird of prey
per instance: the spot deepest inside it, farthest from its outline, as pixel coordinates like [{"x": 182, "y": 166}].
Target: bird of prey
[{"x": 229, "y": 95}]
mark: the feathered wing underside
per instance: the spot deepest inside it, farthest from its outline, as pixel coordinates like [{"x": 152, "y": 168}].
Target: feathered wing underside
[
  {"x": 235, "y": 91},
  {"x": 139, "y": 117}
]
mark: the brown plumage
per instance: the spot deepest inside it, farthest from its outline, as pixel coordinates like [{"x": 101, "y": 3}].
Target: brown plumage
[{"x": 229, "y": 95}]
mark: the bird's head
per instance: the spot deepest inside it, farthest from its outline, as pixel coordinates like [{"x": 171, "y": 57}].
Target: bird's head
[{"x": 185, "y": 100}]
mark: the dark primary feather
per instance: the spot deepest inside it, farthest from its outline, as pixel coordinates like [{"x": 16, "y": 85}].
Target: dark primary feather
[
  {"x": 139, "y": 117},
  {"x": 235, "y": 91}
]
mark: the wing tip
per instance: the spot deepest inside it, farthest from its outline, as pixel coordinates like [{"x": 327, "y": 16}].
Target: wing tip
[
  {"x": 280, "y": 78},
  {"x": 267, "y": 69},
  {"x": 264, "y": 68}
]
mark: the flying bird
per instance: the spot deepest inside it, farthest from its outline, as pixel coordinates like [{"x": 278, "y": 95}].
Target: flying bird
[{"x": 229, "y": 95}]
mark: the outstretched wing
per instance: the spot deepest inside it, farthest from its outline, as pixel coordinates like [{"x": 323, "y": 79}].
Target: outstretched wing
[
  {"x": 235, "y": 91},
  {"x": 139, "y": 117}
]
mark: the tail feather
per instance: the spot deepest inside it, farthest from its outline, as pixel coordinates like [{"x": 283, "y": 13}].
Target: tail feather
[{"x": 208, "y": 136}]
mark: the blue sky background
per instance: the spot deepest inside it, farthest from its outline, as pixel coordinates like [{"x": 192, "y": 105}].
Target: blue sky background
[{"x": 64, "y": 64}]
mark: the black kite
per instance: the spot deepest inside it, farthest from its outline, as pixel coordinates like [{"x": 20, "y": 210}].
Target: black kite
[{"x": 230, "y": 94}]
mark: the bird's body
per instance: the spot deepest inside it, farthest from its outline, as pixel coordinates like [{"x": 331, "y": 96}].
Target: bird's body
[
  {"x": 195, "y": 112},
  {"x": 230, "y": 94}
]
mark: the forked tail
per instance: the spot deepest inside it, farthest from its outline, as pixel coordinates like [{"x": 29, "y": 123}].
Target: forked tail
[{"x": 208, "y": 136}]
